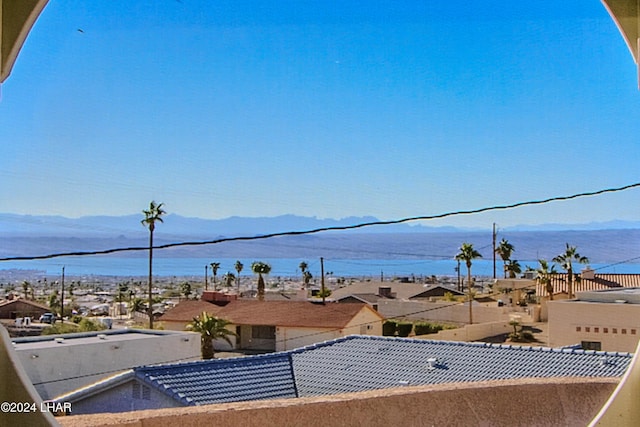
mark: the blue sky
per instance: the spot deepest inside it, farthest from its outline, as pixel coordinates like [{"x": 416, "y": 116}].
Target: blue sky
[{"x": 327, "y": 109}]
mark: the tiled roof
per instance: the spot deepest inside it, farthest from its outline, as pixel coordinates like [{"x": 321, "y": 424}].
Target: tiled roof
[
  {"x": 224, "y": 380},
  {"x": 599, "y": 281},
  {"x": 23, "y": 301},
  {"x": 401, "y": 290},
  {"x": 291, "y": 313},
  {"x": 185, "y": 311},
  {"x": 359, "y": 363}
]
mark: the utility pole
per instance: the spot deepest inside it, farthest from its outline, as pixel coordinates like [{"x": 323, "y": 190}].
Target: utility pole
[
  {"x": 459, "y": 282},
  {"x": 206, "y": 274},
  {"x": 494, "y": 251},
  {"x": 62, "y": 298},
  {"x": 322, "y": 278}
]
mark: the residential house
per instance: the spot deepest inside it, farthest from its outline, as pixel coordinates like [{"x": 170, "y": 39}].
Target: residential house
[
  {"x": 281, "y": 325},
  {"x": 18, "y": 307},
  {"x": 344, "y": 365},
  {"x": 607, "y": 320}
]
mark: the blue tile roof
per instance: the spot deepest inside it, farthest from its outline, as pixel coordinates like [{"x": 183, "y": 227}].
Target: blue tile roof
[
  {"x": 223, "y": 380},
  {"x": 358, "y": 363}
]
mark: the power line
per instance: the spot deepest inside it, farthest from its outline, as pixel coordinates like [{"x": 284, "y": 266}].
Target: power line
[{"x": 332, "y": 228}]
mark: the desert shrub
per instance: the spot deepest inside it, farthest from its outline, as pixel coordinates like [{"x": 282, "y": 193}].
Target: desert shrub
[
  {"x": 389, "y": 328},
  {"x": 404, "y": 329},
  {"x": 76, "y": 319},
  {"x": 60, "y": 328},
  {"x": 87, "y": 325}
]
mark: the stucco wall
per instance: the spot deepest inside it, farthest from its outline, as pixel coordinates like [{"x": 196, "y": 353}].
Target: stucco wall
[
  {"x": 290, "y": 338},
  {"x": 615, "y": 326},
  {"x": 58, "y": 369},
  {"x": 441, "y": 311},
  {"x": 471, "y": 332},
  {"x": 532, "y": 402}
]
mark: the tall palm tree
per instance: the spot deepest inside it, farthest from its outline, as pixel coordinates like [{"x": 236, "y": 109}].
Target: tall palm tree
[
  {"x": 544, "y": 276},
  {"x": 214, "y": 270},
  {"x": 151, "y": 215},
  {"x": 303, "y": 269},
  {"x": 468, "y": 254},
  {"x": 238, "y": 266},
  {"x": 228, "y": 279},
  {"x": 514, "y": 268},
  {"x": 260, "y": 268},
  {"x": 210, "y": 329},
  {"x": 565, "y": 260},
  {"x": 504, "y": 250}
]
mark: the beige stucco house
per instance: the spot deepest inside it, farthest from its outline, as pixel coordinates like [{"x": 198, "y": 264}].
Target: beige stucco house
[
  {"x": 607, "y": 320},
  {"x": 280, "y": 325}
]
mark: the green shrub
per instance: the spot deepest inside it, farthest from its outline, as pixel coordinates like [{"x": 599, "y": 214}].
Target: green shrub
[
  {"x": 76, "y": 319},
  {"x": 425, "y": 328},
  {"x": 404, "y": 329},
  {"x": 60, "y": 328},
  {"x": 87, "y": 325},
  {"x": 389, "y": 328}
]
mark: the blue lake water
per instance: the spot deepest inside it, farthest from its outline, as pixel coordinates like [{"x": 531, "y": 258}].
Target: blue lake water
[{"x": 288, "y": 267}]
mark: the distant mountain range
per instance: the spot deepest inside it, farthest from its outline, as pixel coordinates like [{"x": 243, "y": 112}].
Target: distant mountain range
[
  {"x": 176, "y": 226},
  {"x": 24, "y": 235}
]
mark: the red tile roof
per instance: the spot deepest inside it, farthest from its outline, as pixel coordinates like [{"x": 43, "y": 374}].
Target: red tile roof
[
  {"x": 599, "y": 281},
  {"x": 185, "y": 311},
  {"x": 292, "y": 313}
]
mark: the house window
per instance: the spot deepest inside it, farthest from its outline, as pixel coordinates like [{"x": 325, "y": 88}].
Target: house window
[
  {"x": 624, "y": 331},
  {"x": 614, "y": 330},
  {"x": 605, "y": 330},
  {"x": 633, "y": 332},
  {"x": 587, "y": 329},
  {"x": 591, "y": 345},
  {"x": 262, "y": 332},
  {"x": 578, "y": 328},
  {"x": 596, "y": 330}
]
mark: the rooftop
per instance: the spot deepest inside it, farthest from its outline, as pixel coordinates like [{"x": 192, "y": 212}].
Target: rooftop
[{"x": 359, "y": 363}]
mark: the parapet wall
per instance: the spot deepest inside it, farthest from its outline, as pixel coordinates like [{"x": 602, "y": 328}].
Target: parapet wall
[{"x": 524, "y": 402}]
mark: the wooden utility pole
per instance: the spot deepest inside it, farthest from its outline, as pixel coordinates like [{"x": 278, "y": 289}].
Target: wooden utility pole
[
  {"x": 62, "y": 298},
  {"x": 494, "y": 251},
  {"x": 322, "y": 278},
  {"x": 206, "y": 280}
]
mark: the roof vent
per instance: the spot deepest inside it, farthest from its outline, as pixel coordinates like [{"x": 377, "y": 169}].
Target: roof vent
[
  {"x": 102, "y": 336},
  {"x": 432, "y": 363},
  {"x": 59, "y": 340}
]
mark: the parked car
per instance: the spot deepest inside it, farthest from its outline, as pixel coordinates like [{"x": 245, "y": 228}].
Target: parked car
[{"x": 48, "y": 318}]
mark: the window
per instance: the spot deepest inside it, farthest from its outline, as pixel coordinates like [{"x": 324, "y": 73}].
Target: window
[
  {"x": 587, "y": 329},
  {"x": 591, "y": 345},
  {"x": 605, "y": 330},
  {"x": 633, "y": 332},
  {"x": 596, "y": 330},
  {"x": 624, "y": 331},
  {"x": 262, "y": 332},
  {"x": 614, "y": 330},
  {"x": 578, "y": 328}
]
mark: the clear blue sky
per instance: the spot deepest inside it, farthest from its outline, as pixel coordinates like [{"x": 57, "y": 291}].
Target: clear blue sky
[{"x": 327, "y": 109}]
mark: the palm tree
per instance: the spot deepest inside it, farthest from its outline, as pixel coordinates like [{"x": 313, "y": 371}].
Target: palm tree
[
  {"x": 260, "y": 268},
  {"x": 214, "y": 270},
  {"x": 513, "y": 267},
  {"x": 238, "y": 266},
  {"x": 228, "y": 279},
  {"x": 468, "y": 254},
  {"x": 185, "y": 289},
  {"x": 306, "y": 277},
  {"x": 136, "y": 304},
  {"x": 210, "y": 328},
  {"x": 153, "y": 214},
  {"x": 544, "y": 275},
  {"x": 565, "y": 260},
  {"x": 303, "y": 269},
  {"x": 504, "y": 250}
]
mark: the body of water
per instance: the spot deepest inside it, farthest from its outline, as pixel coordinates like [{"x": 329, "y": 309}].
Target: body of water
[{"x": 281, "y": 267}]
